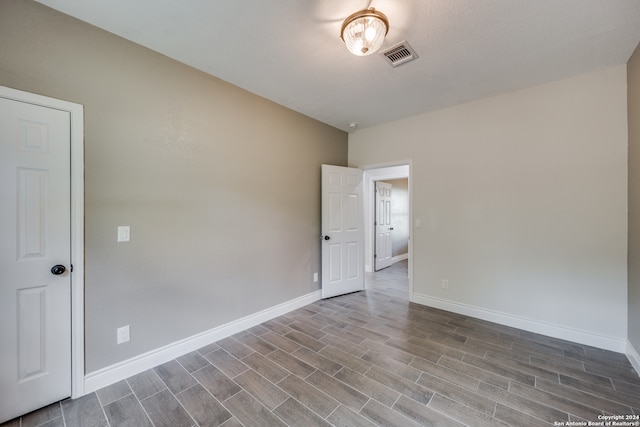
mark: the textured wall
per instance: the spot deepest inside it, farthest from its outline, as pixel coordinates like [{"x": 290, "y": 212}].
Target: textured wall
[
  {"x": 522, "y": 200},
  {"x": 221, "y": 188},
  {"x": 633, "y": 101}
]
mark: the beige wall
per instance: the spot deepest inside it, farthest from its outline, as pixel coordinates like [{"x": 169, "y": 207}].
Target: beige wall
[
  {"x": 633, "y": 101},
  {"x": 522, "y": 200},
  {"x": 220, "y": 187}
]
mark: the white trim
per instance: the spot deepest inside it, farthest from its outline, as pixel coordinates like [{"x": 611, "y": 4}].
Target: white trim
[
  {"x": 382, "y": 171},
  {"x": 633, "y": 356},
  {"x": 400, "y": 257},
  {"x": 119, "y": 371},
  {"x": 76, "y": 113},
  {"x": 616, "y": 344}
]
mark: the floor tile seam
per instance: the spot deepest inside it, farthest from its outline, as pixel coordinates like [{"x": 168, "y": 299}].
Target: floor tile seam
[
  {"x": 618, "y": 378},
  {"x": 391, "y": 409},
  {"x": 597, "y": 396},
  {"x": 308, "y": 348},
  {"x": 321, "y": 391},
  {"x": 195, "y": 385},
  {"x": 451, "y": 383},
  {"x": 527, "y": 365},
  {"x": 221, "y": 402},
  {"x": 306, "y": 407},
  {"x": 392, "y": 359},
  {"x": 268, "y": 344},
  {"x": 486, "y": 371},
  {"x": 167, "y": 387},
  {"x": 259, "y": 399},
  {"x": 495, "y": 373},
  {"x": 293, "y": 373},
  {"x": 49, "y": 420},
  {"x": 523, "y": 413},
  {"x": 510, "y": 405},
  {"x": 428, "y": 405},
  {"x": 552, "y": 395},
  {"x": 145, "y": 409},
  {"x": 175, "y": 396},
  {"x": 228, "y": 375},
  {"x": 464, "y": 390},
  {"x": 184, "y": 367},
  {"x": 332, "y": 412},
  {"x": 231, "y": 396},
  {"x": 120, "y": 398},
  {"x": 102, "y": 406},
  {"x": 272, "y": 411},
  {"x": 401, "y": 379},
  {"x": 489, "y": 343},
  {"x": 275, "y": 384},
  {"x": 203, "y": 355},
  {"x": 363, "y": 393},
  {"x": 263, "y": 355},
  {"x": 613, "y": 383}
]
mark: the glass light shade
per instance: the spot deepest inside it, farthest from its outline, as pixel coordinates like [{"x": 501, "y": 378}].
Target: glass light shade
[{"x": 364, "y": 31}]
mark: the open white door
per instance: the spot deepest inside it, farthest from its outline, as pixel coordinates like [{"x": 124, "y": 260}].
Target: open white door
[
  {"x": 342, "y": 231},
  {"x": 35, "y": 257},
  {"x": 383, "y": 226}
]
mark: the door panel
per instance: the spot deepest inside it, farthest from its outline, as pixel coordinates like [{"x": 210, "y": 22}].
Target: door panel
[
  {"x": 383, "y": 248},
  {"x": 342, "y": 230},
  {"x": 35, "y": 305}
]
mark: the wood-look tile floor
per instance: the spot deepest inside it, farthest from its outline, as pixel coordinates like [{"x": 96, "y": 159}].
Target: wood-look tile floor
[{"x": 365, "y": 359}]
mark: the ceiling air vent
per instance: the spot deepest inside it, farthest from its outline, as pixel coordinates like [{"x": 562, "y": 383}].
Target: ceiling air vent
[{"x": 399, "y": 54}]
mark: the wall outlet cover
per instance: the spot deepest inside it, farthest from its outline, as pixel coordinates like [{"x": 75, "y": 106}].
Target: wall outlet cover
[{"x": 123, "y": 334}]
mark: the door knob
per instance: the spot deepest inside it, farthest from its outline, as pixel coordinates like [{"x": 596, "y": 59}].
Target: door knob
[
  {"x": 327, "y": 237},
  {"x": 58, "y": 269}
]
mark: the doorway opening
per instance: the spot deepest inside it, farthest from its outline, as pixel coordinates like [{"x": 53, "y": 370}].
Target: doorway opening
[{"x": 399, "y": 266}]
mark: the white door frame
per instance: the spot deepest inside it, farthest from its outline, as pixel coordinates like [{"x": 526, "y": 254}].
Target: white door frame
[
  {"x": 76, "y": 113},
  {"x": 380, "y": 172}
]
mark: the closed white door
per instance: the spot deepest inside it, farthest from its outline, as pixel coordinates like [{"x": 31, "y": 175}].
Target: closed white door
[
  {"x": 35, "y": 253},
  {"x": 383, "y": 249},
  {"x": 342, "y": 231}
]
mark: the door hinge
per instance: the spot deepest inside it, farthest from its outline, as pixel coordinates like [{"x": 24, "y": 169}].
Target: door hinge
[{"x": 71, "y": 268}]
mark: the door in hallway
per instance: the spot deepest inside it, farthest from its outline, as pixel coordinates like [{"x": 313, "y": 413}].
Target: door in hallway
[{"x": 383, "y": 247}]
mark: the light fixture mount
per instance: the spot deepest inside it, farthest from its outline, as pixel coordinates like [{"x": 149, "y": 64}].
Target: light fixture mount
[{"x": 363, "y": 32}]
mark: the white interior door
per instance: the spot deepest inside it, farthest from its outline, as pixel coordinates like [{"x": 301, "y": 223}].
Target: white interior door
[
  {"x": 35, "y": 299},
  {"x": 383, "y": 225},
  {"x": 342, "y": 231}
]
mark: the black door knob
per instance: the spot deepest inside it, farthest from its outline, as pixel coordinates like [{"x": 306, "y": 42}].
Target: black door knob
[
  {"x": 58, "y": 269},
  {"x": 326, "y": 237}
]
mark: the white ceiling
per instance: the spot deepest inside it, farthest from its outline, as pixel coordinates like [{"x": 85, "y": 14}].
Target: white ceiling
[{"x": 289, "y": 51}]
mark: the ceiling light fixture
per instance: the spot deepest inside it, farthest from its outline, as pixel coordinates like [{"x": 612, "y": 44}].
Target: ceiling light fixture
[{"x": 364, "y": 31}]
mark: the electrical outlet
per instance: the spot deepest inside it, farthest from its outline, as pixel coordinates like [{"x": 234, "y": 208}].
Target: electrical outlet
[
  {"x": 315, "y": 277},
  {"x": 123, "y": 334},
  {"x": 445, "y": 284},
  {"x": 124, "y": 233}
]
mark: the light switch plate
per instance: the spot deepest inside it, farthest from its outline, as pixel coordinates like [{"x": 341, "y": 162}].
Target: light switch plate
[
  {"x": 124, "y": 233},
  {"x": 123, "y": 334}
]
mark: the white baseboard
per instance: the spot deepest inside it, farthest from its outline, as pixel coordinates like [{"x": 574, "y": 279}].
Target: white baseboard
[
  {"x": 400, "y": 257},
  {"x": 618, "y": 345},
  {"x": 119, "y": 371},
  {"x": 633, "y": 356}
]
